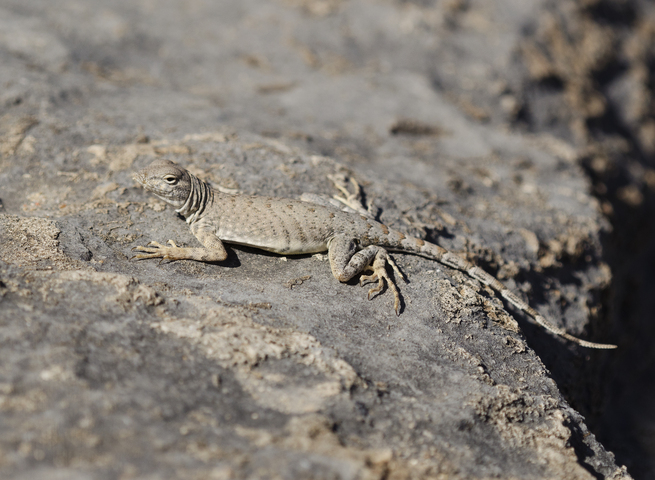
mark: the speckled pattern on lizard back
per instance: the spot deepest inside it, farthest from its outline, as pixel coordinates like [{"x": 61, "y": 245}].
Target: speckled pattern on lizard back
[{"x": 354, "y": 242}]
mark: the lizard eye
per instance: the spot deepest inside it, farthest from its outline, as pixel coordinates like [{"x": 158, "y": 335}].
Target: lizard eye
[{"x": 170, "y": 179}]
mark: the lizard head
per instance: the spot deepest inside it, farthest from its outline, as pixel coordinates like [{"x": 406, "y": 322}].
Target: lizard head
[{"x": 167, "y": 180}]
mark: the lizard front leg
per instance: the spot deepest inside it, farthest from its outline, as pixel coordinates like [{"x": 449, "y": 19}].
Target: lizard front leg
[
  {"x": 213, "y": 251},
  {"x": 346, "y": 262}
]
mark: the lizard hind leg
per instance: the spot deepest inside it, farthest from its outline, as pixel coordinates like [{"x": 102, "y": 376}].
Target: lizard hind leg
[
  {"x": 381, "y": 276},
  {"x": 346, "y": 262}
]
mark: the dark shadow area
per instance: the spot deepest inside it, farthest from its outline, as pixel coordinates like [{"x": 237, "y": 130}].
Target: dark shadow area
[
  {"x": 615, "y": 391},
  {"x": 583, "y": 452},
  {"x": 626, "y": 424}
]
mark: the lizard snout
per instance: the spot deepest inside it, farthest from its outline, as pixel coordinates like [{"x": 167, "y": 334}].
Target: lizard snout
[{"x": 139, "y": 177}]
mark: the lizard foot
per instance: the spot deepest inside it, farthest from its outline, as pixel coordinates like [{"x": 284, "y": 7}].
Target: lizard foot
[
  {"x": 157, "y": 250},
  {"x": 353, "y": 200},
  {"x": 381, "y": 276}
]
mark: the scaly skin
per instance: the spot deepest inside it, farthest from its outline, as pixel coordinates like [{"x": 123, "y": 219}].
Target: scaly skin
[{"x": 354, "y": 242}]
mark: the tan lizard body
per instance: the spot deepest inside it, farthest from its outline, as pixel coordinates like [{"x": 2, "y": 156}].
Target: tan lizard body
[{"x": 354, "y": 242}]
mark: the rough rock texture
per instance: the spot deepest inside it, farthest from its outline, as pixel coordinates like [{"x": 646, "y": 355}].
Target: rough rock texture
[{"x": 465, "y": 125}]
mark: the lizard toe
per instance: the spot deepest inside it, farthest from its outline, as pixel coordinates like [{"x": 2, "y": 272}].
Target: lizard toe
[
  {"x": 377, "y": 289},
  {"x": 366, "y": 279},
  {"x": 380, "y": 270},
  {"x": 148, "y": 250},
  {"x": 156, "y": 244},
  {"x": 142, "y": 256},
  {"x": 393, "y": 264}
]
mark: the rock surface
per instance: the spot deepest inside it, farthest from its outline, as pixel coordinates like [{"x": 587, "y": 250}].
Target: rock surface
[{"x": 264, "y": 366}]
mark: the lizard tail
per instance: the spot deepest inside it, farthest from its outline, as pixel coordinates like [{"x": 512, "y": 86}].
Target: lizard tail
[{"x": 441, "y": 255}]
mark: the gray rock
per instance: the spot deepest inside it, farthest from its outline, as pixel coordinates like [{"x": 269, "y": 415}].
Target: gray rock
[{"x": 266, "y": 367}]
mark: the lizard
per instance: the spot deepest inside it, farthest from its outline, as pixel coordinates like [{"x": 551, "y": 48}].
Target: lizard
[{"x": 355, "y": 242}]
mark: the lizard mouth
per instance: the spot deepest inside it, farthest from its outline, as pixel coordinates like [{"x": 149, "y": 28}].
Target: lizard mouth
[{"x": 139, "y": 177}]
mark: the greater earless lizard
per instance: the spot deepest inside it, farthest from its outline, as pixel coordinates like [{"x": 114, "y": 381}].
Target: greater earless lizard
[{"x": 354, "y": 241}]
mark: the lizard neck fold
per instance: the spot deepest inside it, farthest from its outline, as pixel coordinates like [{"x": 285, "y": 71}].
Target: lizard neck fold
[{"x": 199, "y": 197}]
